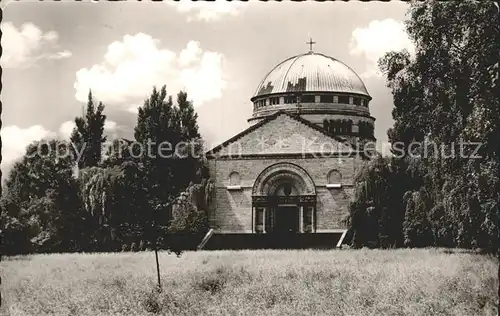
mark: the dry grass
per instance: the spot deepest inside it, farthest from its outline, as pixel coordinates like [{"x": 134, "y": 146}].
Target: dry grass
[{"x": 341, "y": 282}]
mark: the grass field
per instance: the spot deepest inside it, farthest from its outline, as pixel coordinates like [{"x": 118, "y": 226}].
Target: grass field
[{"x": 310, "y": 282}]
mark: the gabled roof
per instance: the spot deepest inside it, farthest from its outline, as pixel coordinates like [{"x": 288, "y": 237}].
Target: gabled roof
[{"x": 270, "y": 118}]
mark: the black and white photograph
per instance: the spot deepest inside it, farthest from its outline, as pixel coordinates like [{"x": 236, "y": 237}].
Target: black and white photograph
[{"x": 250, "y": 158}]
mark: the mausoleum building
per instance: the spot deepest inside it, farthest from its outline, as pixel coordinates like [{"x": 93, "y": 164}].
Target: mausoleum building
[{"x": 292, "y": 170}]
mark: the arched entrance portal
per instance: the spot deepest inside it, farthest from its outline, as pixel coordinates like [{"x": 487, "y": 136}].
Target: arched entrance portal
[{"x": 284, "y": 201}]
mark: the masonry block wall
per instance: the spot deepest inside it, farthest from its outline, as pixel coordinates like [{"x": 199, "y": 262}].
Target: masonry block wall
[{"x": 232, "y": 209}]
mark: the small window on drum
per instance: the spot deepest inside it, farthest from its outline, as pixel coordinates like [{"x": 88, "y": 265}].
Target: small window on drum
[
  {"x": 290, "y": 99},
  {"x": 326, "y": 98},
  {"x": 234, "y": 181},
  {"x": 344, "y": 99},
  {"x": 357, "y": 101},
  {"x": 307, "y": 98},
  {"x": 275, "y": 100},
  {"x": 334, "y": 179}
]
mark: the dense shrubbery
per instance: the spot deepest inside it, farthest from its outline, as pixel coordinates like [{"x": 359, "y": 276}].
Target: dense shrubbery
[
  {"x": 190, "y": 212},
  {"x": 444, "y": 95},
  {"x": 392, "y": 208},
  {"x": 118, "y": 203}
]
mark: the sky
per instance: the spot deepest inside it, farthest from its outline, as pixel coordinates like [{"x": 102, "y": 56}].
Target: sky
[{"x": 54, "y": 52}]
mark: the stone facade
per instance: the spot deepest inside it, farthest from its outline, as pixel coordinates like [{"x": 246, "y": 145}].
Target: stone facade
[
  {"x": 286, "y": 175},
  {"x": 235, "y": 168}
]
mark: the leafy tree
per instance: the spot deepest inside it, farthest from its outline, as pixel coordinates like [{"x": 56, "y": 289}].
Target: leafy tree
[
  {"x": 171, "y": 163},
  {"x": 42, "y": 197},
  {"x": 188, "y": 117},
  {"x": 445, "y": 95},
  {"x": 169, "y": 133},
  {"x": 190, "y": 212},
  {"x": 98, "y": 192},
  {"x": 120, "y": 151},
  {"x": 157, "y": 124},
  {"x": 48, "y": 207},
  {"x": 15, "y": 233},
  {"x": 88, "y": 136},
  {"x": 416, "y": 226},
  {"x": 377, "y": 212}
]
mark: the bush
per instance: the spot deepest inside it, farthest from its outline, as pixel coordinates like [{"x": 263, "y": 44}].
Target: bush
[
  {"x": 215, "y": 280},
  {"x": 187, "y": 218},
  {"x": 13, "y": 234},
  {"x": 416, "y": 226},
  {"x": 151, "y": 302},
  {"x": 142, "y": 245},
  {"x": 133, "y": 247}
]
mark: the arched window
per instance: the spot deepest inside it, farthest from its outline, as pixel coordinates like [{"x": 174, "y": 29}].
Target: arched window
[
  {"x": 234, "y": 181},
  {"x": 286, "y": 189},
  {"x": 334, "y": 179},
  {"x": 349, "y": 127},
  {"x": 234, "y": 178}
]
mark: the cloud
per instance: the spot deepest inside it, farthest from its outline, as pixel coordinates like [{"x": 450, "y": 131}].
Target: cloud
[
  {"x": 16, "y": 139},
  {"x": 109, "y": 126},
  {"x": 203, "y": 82},
  {"x": 134, "y": 109},
  {"x": 378, "y": 38},
  {"x": 190, "y": 54},
  {"x": 208, "y": 10},
  {"x": 60, "y": 55},
  {"x": 111, "y": 130},
  {"x": 66, "y": 129},
  {"x": 23, "y": 47},
  {"x": 132, "y": 67}
]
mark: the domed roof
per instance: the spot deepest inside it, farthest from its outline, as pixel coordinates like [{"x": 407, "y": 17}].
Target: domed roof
[{"x": 311, "y": 72}]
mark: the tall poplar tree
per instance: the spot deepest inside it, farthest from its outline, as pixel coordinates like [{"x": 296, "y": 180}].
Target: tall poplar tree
[
  {"x": 88, "y": 135},
  {"x": 167, "y": 133}
]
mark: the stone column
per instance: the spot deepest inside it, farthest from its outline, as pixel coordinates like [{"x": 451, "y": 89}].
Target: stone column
[
  {"x": 301, "y": 219},
  {"x": 264, "y": 220},
  {"x": 253, "y": 219},
  {"x": 313, "y": 219}
]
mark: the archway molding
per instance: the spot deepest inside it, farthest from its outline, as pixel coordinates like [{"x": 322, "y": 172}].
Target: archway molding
[{"x": 271, "y": 178}]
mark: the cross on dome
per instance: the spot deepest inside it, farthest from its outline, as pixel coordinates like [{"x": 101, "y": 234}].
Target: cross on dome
[{"x": 310, "y": 43}]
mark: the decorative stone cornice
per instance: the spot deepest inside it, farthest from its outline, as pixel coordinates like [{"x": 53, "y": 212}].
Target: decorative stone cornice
[
  {"x": 304, "y": 111},
  {"x": 289, "y": 156},
  {"x": 301, "y": 93},
  {"x": 258, "y": 200}
]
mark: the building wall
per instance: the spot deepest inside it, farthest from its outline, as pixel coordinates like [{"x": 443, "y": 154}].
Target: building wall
[
  {"x": 318, "y": 119},
  {"x": 232, "y": 209}
]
